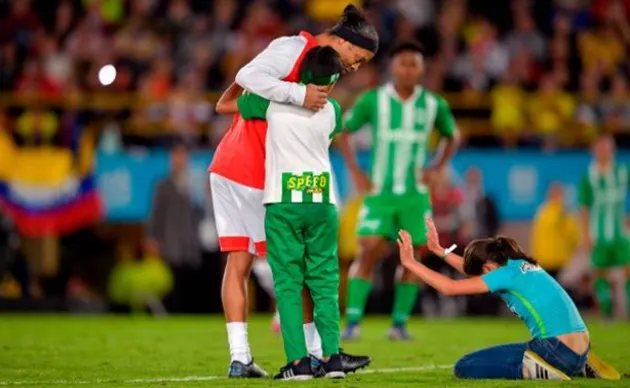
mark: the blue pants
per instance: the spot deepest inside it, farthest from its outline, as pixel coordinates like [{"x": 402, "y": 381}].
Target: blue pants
[{"x": 506, "y": 361}]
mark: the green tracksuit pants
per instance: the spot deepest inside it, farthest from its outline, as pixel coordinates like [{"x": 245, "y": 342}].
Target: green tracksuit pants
[{"x": 302, "y": 251}]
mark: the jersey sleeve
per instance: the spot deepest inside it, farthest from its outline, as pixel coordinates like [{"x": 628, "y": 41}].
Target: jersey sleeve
[
  {"x": 252, "y": 106},
  {"x": 338, "y": 118},
  {"x": 361, "y": 112},
  {"x": 585, "y": 193},
  {"x": 499, "y": 279},
  {"x": 264, "y": 74},
  {"x": 444, "y": 120}
]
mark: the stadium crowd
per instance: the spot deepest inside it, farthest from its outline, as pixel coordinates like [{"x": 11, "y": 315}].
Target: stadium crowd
[
  {"x": 519, "y": 72},
  {"x": 516, "y": 73}
]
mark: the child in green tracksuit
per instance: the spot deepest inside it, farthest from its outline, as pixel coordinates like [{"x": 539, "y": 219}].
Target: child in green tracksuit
[{"x": 301, "y": 221}]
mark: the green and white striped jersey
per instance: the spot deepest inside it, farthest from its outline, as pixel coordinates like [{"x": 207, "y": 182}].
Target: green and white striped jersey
[
  {"x": 604, "y": 194},
  {"x": 400, "y": 134}
]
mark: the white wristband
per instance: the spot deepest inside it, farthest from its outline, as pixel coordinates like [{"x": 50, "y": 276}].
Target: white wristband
[{"x": 449, "y": 250}]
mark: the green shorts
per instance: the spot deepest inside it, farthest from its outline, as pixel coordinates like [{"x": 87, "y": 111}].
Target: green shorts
[
  {"x": 611, "y": 254},
  {"x": 384, "y": 215}
]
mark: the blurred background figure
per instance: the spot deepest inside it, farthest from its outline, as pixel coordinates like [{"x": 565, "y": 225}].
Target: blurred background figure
[
  {"x": 173, "y": 233},
  {"x": 481, "y": 210},
  {"x": 603, "y": 196},
  {"x": 555, "y": 232}
]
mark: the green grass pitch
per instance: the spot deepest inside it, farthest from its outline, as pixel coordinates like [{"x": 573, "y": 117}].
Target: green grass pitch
[{"x": 67, "y": 351}]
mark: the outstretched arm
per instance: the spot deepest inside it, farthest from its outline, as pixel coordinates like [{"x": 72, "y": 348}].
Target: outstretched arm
[
  {"x": 433, "y": 244},
  {"x": 227, "y": 101},
  {"x": 443, "y": 284},
  {"x": 445, "y": 124}
]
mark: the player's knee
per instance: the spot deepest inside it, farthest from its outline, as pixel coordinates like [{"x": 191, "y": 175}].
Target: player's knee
[
  {"x": 239, "y": 265},
  {"x": 462, "y": 367},
  {"x": 369, "y": 249}
]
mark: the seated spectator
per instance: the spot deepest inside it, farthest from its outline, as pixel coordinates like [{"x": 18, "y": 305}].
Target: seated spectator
[
  {"x": 554, "y": 232},
  {"x": 37, "y": 127},
  {"x": 189, "y": 112},
  {"x": 508, "y": 108},
  {"x": 588, "y": 114},
  {"x": 615, "y": 107},
  {"x": 601, "y": 48},
  {"x": 550, "y": 109},
  {"x": 139, "y": 281},
  {"x": 525, "y": 35}
]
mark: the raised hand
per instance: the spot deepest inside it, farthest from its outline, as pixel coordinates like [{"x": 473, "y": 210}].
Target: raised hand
[
  {"x": 405, "y": 246},
  {"x": 433, "y": 241}
]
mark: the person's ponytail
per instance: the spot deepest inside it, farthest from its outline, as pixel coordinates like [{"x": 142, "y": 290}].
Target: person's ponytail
[{"x": 506, "y": 248}]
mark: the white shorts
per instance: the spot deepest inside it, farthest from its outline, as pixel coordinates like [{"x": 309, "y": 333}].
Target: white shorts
[{"x": 239, "y": 215}]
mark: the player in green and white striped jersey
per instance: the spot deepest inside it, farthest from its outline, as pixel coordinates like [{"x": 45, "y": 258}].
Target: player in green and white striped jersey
[
  {"x": 401, "y": 115},
  {"x": 602, "y": 195}
]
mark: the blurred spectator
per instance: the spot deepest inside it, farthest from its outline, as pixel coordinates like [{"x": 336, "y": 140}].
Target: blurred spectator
[
  {"x": 525, "y": 35},
  {"x": 615, "y": 108},
  {"x": 139, "y": 281},
  {"x": 555, "y": 231},
  {"x": 35, "y": 82},
  {"x": 9, "y": 66},
  {"x": 549, "y": 111},
  {"x": 485, "y": 58},
  {"x": 65, "y": 21},
  {"x": 508, "y": 107},
  {"x": 173, "y": 232},
  {"x": 480, "y": 208},
  {"x": 449, "y": 214},
  {"x": 19, "y": 26},
  {"x": 38, "y": 127},
  {"x": 588, "y": 114},
  {"x": 57, "y": 64},
  {"x": 111, "y": 11},
  {"x": 14, "y": 271},
  {"x": 574, "y": 13},
  {"x": 189, "y": 112},
  {"x": 601, "y": 48},
  {"x": 419, "y": 12}
]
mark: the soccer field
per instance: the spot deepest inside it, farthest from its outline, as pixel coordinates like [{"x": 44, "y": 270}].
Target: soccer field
[{"x": 66, "y": 351}]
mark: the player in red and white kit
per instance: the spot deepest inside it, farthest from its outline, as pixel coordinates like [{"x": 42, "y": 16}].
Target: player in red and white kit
[{"x": 237, "y": 171}]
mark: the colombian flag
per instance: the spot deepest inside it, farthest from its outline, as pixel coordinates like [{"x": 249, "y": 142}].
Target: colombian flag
[{"x": 43, "y": 190}]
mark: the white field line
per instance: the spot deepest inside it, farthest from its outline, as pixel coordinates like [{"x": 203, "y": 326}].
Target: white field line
[{"x": 422, "y": 368}]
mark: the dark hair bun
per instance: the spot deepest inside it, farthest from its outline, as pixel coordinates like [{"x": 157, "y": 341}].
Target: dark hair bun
[{"x": 352, "y": 15}]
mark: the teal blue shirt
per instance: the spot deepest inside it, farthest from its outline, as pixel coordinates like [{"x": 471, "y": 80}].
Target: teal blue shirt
[{"x": 535, "y": 297}]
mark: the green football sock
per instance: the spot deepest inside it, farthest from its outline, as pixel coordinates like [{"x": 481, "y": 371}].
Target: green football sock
[
  {"x": 405, "y": 295},
  {"x": 358, "y": 292},
  {"x": 604, "y": 296}
]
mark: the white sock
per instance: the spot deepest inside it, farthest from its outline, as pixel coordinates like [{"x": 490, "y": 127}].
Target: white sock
[
  {"x": 237, "y": 338},
  {"x": 313, "y": 340},
  {"x": 263, "y": 273}
]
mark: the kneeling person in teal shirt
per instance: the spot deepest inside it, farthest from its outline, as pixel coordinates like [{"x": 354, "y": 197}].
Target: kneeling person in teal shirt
[
  {"x": 301, "y": 221},
  {"x": 560, "y": 344}
]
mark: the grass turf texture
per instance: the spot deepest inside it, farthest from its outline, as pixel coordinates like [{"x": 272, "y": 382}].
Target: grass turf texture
[{"x": 65, "y": 351}]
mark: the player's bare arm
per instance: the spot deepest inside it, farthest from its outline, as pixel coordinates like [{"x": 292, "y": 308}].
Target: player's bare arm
[
  {"x": 348, "y": 153},
  {"x": 227, "y": 101},
  {"x": 443, "y": 155}
]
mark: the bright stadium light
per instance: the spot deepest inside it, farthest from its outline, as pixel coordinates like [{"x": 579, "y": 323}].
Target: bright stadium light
[{"x": 107, "y": 75}]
